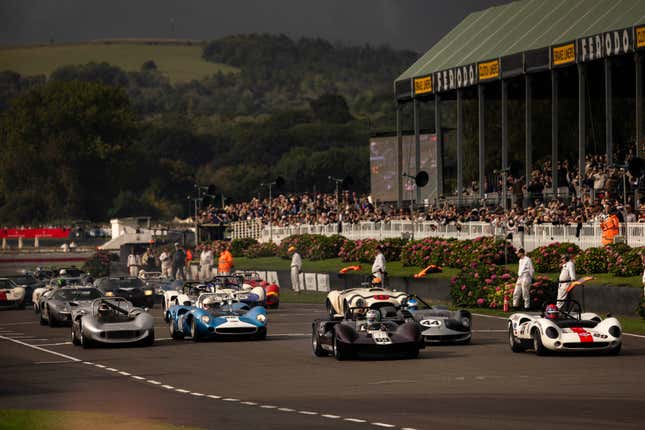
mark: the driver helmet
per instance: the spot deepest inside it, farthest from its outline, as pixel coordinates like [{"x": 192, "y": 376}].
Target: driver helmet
[
  {"x": 413, "y": 304},
  {"x": 552, "y": 312},
  {"x": 373, "y": 316},
  {"x": 209, "y": 301},
  {"x": 104, "y": 310},
  {"x": 62, "y": 272},
  {"x": 376, "y": 281}
]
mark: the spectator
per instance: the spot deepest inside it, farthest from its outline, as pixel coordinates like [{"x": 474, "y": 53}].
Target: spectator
[
  {"x": 166, "y": 260},
  {"x": 378, "y": 268},
  {"x": 296, "y": 268},
  {"x": 225, "y": 262},
  {"x": 178, "y": 263},
  {"x": 206, "y": 263},
  {"x": 134, "y": 262},
  {"x": 525, "y": 274}
]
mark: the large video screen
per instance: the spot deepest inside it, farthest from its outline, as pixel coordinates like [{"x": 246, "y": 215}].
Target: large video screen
[{"x": 383, "y": 167}]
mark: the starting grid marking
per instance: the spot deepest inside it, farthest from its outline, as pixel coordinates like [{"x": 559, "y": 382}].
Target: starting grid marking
[{"x": 167, "y": 387}]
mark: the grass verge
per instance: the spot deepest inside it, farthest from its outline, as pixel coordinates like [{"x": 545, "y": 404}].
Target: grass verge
[{"x": 18, "y": 419}]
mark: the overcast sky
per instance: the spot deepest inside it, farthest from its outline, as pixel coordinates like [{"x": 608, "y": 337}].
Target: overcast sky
[{"x": 410, "y": 24}]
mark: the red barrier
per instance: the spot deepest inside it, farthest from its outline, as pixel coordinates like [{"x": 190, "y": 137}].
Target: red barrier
[{"x": 31, "y": 233}]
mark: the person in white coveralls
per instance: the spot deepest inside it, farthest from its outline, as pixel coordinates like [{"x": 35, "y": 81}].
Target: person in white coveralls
[
  {"x": 567, "y": 276},
  {"x": 134, "y": 262},
  {"x": 525, "y": 274},
  {"x": 378, "y": 268},
  {"x": 206, "y": 263},
  {"x": 296, "y": 268}
]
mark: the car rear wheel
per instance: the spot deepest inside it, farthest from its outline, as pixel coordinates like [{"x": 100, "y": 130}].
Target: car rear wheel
[
  {"x": 150, "y": 339},
  {"x": 51, "y": 321},
  {"x": 413, "y": 353},
  {"x": 330, "y": 309},
  {"x": 339, "y": 352},
  {"x": 174, "y": 333},
  {"x": 537, "y": 344},
  {"x": 75, "y": 340},
  {"x": 513, "y": 342},
  {"x": 315, "y": 345},
  {"x": 85, "y": 341},
  {"x": 36, "y": 310},
  {"x": 43, "y": 321}
]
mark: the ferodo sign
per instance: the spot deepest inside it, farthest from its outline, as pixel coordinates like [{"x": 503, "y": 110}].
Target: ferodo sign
[
  {"x": 459, "y": 77},
  {"x": 488, "y": 70},
  {"x": 562, "y": 55},
  {"x": 423, "y": 85},
  {"x": 640, "y": 37},
  {"x": 607, "y": 44}
]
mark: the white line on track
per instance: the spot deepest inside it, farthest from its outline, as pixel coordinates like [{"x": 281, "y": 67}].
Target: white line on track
[
  {"x": 288, "y": 334},
  {"x": 489, "y": 331},
  {"x": 184, "y": 391},
  {"x": 54, "y": 362},
  {"x": 39, "y": 348},
  {"x": 54, "y": 344},
  {"x": 18, "y": 323}
]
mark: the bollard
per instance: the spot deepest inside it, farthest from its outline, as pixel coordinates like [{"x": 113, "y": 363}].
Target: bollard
[
  {"x": 36, "y": 244},
  {"x": 20, "y": 242},
  {"x": 4, "y": 243}
]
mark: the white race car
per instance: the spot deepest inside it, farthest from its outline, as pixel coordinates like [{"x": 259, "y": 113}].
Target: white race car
[
  {"x": 564, "y": 330},
  {"x": 339, "y": 301},
  {"x": 11, "y": 295}
]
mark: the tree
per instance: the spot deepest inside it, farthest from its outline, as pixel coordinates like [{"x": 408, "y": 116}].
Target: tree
[
  {"x": 64, "y": 142},
  {"x": 148, "y": 66},
  {"x": 331, "y": 108}
]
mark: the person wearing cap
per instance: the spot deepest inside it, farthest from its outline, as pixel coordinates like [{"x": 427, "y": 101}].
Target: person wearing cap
[
  {"x": 296, "y": 268},
  {"x": 225, "y": 261},
  {"x": 610, "y": 227},
  {"x": 378, "y": 268},
  {"x": 178, "y": 263},
  {"x": 525, "y": 273},
  {"x": 567, "y": 276}
]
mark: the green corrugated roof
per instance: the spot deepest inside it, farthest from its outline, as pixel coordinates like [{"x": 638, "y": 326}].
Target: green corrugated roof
[{"x": 522, "y": 26}]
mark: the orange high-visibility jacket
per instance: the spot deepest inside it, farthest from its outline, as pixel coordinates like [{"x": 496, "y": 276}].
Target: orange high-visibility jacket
[
  {"x": 610, "y": 228},
  {"x": 225, "y": 262}
]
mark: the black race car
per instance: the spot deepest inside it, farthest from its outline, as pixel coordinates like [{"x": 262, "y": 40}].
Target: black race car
[
  {"x": 130, "y": 288},
  {"x": 383, "y": 332}
]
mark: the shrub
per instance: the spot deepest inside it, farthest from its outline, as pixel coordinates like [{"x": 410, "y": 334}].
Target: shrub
[
  {"x": 615, "y": 252},
  {"x": 98, "y": 265},
  {"x": 422, "y": 253},
  {"x": 628, "y": 264},
  {"x": 239, "y": 246},
  {"x": 479, "y": 284},
  {"x": 312, "y": 246},
  {"x": 365, "y": 250},
  {"x": 547, "y": 258},
  {"x": 457, "y": 253},
  {"x": 592, "y": 260},
  {"x": 258, "y": 250}
]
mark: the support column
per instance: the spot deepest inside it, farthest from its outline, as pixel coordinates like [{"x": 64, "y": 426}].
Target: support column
[
  {"x": 399, "y": 157},
  {"x": 481, "y": 101},
  {"x": 554, "y": 131},
  {"x": 460, "y": 148},
  {"x": 528, "y": 127},
  {"x": 639, "y": 102},
  {"x": 504, "y": 142},
  {"x": 582, "y": 119},
  {"x": 439, "y": 136},
  {"x": 417, "y": 148},
  {"x": 609, "y": 128}
]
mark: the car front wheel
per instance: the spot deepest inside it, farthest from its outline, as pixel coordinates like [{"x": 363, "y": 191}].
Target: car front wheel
[
  {"x": 514, "y": 343},
  {"x": 537, "y": 344}
]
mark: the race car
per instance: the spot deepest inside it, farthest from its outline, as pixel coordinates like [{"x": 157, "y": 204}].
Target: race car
[
  {"x": 438, "y": 323},
  {"x": 367, "y": 332},
  {"x": 271, "y": 289},
  {"x": 239, "y": 290},
  {"x": 27, "y": 281},
  {"x": 11, "y": 295},
  {"x": 112, "y": 321},
  {"x": 128, "y": 287},
  {"x": 56, "y": 305},
  {"x": 216, "y": 315},
  {"x": 60, "y": 281},
  {"x": 183, "y": 293},
  {"x": 338, "y": 301},
  {"x": 567, "y": 329}
]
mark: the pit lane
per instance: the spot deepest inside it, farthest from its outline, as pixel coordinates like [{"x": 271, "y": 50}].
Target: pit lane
[{"x": 277, "y": 383}]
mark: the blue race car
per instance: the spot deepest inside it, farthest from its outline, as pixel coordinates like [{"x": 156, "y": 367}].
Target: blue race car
[{"x": 216, "y": 316}]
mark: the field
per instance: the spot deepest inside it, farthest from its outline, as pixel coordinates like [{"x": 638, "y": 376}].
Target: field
[{"x": 180, "y": 62}]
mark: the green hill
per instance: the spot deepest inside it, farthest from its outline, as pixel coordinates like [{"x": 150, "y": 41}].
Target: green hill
[{"x": 180, "y": 61}]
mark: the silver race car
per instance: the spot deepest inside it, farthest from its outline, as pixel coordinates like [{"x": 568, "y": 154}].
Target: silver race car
[
  {"x": 438, "y": 323},
  {"x": 56, "y": 305},
  {"x": 112, "y": 321}
]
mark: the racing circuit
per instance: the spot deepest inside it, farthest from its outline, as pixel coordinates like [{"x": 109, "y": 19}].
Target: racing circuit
[{"x": 278, "y": 383}]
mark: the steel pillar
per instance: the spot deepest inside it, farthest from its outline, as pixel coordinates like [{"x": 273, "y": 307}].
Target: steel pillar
[
  {"x": 582, "y": 118},
  {"x": 528, "y": 128},
  {"x": 417, "y": 147},
  {"x": 504, "y": 141},
  {"x": 399, "y": 157},
  {"x": 439, "y": 136},
  {"x": 554, "y": 131},
  {"x": 481, "y": 101},
  {"x": 639, "y": 102},
  {"x": 460, "y": 148},
  {"x": 609, "y": 128}
]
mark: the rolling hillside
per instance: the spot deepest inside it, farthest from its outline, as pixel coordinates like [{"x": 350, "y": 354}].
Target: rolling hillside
[{"x": 181, "y": 62}]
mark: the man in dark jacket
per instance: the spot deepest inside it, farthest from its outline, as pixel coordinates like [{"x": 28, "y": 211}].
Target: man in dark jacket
[{"x": 178, "y": 263}]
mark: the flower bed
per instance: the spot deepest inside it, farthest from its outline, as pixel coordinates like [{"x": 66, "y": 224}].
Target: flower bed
[
  {"x": 98, "y": 265},
  {"x": 628, "y": 264},
  {"x": 481, "y": 285},
  {"x": 547, "y": 258},
  {"x": 239, "y": 246},
  {"x": 592, "y": 260},
  {"x": 258, "y": 250},
  {"x": 312, "y": 246},
  {"x": 457, "y": 253},
  {"x": 365, "y": 250}
]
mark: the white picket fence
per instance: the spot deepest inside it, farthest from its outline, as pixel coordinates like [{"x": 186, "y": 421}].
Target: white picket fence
[{"x": 532, "y": 238}]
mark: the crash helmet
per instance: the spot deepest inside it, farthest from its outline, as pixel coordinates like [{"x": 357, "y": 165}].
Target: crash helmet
[
  {"x": 551, "y": 312},
  {"x": 413, "y": 304},
  {"x": 373, "y": 316},
  {"x": 62, "y": 272},
  {"x": 209, "y": 301},
  {"x": 376, "y": 281},
  {"x": 104, "y": 310}
]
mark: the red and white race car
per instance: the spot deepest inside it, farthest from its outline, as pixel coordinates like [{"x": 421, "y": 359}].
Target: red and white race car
[
  {"x": 271, "y": 289},
  {"x": 567, "y": 329}
]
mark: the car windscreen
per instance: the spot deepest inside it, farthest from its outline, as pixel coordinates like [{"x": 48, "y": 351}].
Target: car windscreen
[
  {"x": 73, "y": 272},
  {"x": 5, "y": 283},
  {"x": 23, "y": 279},
  {"x": 66, "y": 294},
  {"x": 124, "y": 283}
]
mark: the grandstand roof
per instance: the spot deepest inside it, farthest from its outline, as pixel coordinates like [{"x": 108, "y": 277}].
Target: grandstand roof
[{"x": 523, "y": 26}]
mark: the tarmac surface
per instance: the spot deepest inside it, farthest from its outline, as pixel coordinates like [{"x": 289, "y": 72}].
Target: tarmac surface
[{"x": 278, "y": 384}]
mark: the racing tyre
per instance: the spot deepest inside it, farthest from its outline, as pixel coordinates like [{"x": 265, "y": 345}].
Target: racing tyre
[
  {"x": 339, "y": 352},
  {"x": 43, "y": 321},
  {"x": 262, "y": 335},
  {"x": 174, "y": 333},
  {"x": 315, "y": 345},
  {"x": 36, "y": 310},
  {"x": 86, "y": 342},
  {"x": 75, "y": 340},
  {"x": 51, "y": 321},
  {"x": 513, "y": 342},
  {"x": 330, "y": 310},
  {"x": 537, "y": 344},
  {"x": 413, "y": 353},
  {"x": 149, "y": 340},
  {"x": 616, "y": 350},
  {"x": 193, "y": 331}
]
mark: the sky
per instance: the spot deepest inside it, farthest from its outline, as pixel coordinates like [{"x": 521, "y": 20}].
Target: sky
[{"x": 403, "y": 24}]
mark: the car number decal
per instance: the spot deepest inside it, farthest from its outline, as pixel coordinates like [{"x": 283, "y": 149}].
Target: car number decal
[{"x": 431, "y": 323}]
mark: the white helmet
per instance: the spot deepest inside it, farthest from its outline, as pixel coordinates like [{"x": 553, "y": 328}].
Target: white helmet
[
  {"x": 373, "y": 316},
  {"x": 62, "y": 272}
]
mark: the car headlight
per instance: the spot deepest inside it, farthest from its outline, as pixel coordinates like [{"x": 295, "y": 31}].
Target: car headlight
[
  {"x": 205, "y": 319},
  {"x": 551, "y": 332},
  {"x": 109, "y": 294},
  {"x": 465, "y": 322},
  {"x": 147, "y": 292},
  {"x": 614, "y": 330},
  {"x": 261, "y": 317}
]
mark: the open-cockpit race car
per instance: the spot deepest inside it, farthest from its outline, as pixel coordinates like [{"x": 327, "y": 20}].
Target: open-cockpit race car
[
  {"x": 113, "y": 321},
  {"x": 564, "y": 329},
  {"x": 271, "y": 289},
  {"x": 381, "y": 330},
  {"x": 56, "y": 305},
  {"x": 339, "y": 301},
  {"x": 438, "y": 323},
  {"x": 216, "y": 315}
]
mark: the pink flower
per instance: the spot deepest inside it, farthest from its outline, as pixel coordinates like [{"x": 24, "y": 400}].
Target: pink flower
[
  {"x": 480, "y": 301},
  {"x": 463, "y": 287},
  {"x": 488, "y": 281},
  {"x": 506, "y": 276}
]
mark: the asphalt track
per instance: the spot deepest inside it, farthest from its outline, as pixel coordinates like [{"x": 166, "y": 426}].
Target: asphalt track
[{"x": 278, "y": 384}]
